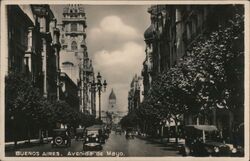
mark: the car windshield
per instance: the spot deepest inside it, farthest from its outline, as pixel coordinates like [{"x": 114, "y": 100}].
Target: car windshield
[
  {"x": 92, "y": 132},
  {"x": 59, "y": 132},
  {"x": 213, "y": 136},
  {"x": 210, "y": 135}
]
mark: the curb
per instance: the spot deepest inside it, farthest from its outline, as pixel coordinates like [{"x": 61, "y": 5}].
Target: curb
[{"x": 26, "y": 141}]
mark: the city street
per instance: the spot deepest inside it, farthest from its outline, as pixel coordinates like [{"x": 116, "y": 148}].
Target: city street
[
  {"x": 93, "y": 81},
  {"x": 116, "y": 145}
]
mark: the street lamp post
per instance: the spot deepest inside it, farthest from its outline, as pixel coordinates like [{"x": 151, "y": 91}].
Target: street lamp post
[{"x": 99, "y": 85}]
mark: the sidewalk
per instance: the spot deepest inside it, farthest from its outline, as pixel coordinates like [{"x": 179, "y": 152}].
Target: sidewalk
[
  {"x": 25, "y": 143},
  {"x": 164, "y": 141}
]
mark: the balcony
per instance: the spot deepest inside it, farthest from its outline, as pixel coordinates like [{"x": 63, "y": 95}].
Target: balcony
[
  {"x": 73, "y": 33},
  {"x": 73, "y": 19}
]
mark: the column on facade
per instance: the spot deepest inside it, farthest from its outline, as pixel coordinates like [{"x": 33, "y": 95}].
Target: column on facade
[
  {"x": 57, "y": 47},
  {"x": 81, "y": 87},
  {"x": 29, "y": 52},
  {"x": 44, "y": 67}
]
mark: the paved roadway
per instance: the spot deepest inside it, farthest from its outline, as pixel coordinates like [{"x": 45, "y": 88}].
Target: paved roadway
[{"x": 116, "y": 145}]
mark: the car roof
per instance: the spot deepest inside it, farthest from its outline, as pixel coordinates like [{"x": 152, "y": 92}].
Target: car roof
[
  {"x": 202, "y": 127},
  {"x": 95, "y": 127},
  {"x": 60, "y": 130}
]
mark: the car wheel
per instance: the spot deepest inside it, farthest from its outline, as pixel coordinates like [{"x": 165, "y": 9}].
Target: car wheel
[
  {"x": 58, "y": 140},
  {"x": 69, "y": 142},
  {"x": 100, "y": 147},
  {"x": 186, "y": 151}
]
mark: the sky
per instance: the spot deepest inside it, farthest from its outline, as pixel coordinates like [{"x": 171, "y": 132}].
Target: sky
[{"x": 116, "y": 45}]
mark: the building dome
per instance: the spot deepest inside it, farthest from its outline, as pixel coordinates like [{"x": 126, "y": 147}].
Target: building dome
[
  {"x": 149, "y": 33},
  {"x": 112, "y": 95},
  {"x": 73, "y": 8}
]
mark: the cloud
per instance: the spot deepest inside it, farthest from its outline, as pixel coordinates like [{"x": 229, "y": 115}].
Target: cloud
[
  {"x": 122, "y": 62},
  {"x": 117, "y": 50},
  {"x": 113, "y": 27},
  {"x": 118, "y": 67}
]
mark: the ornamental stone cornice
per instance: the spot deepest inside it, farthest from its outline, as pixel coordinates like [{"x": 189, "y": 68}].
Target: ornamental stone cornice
[{"x": 42, "y": 11}]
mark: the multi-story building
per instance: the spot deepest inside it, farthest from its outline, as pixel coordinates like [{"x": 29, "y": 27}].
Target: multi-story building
[
  {"x": 34, "y": 45},
  {"x": 173, "y": 29},
  {"x": 69, "y": 91},
  {"x": 74, "y": 59},
  {"x": 20, "y": 53},
  {"x": 33, "y": 49},
  {"x": 112, "y": 115},
  {"x": 134, "y": 94}
]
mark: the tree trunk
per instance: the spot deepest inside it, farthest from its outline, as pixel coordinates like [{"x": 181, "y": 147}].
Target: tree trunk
[
  {"x": 197, "y": 120},
  {"x": 28, "y": 134},
  {"x": 47, "y": 135},
  {"x": 162, "y": 127},
  {"x": 168, "y": 134},
  {"x": 14, "y": 133},
  {"x": 176, "y": 130}
]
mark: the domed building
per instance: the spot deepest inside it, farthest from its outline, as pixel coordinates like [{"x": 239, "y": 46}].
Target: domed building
[
  {"x": 112, "y": 115},
  {"x": 112, "y": 101}
]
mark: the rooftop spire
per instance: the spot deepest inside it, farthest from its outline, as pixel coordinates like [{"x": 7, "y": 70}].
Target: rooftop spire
[{"x": 112, "y": 95}]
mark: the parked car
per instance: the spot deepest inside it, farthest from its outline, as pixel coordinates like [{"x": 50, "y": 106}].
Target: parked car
[
  {"x": 94, "y": 138},
  {"x": 239, "y": 140},
  {"x": 80, "y": 134},
  {"x": 130, "y": 133},
  {"x": 61, "y": 137},
  {"x": 118, "y": 130},
  {"x": 204, "y": 140}
]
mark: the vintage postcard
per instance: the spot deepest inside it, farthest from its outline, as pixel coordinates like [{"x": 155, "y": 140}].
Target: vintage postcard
[{"x": 135, "y": 80}]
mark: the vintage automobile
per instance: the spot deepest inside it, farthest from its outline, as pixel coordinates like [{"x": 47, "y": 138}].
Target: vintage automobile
[
  {"x": 130, "y": 134},
  {"x": 94, "y": 138},
  {"x": 105, "y": 132},
  {"x": 61, "y": 137},
  {"x": 204, "y": 140},
  {"x": 239, "y": 140},
  {"x": 80, "y": 134},
  {"x": 118, "y": 130}
]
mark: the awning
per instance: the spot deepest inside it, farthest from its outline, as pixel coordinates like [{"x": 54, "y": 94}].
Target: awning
[{"x": 203, "y": 127}]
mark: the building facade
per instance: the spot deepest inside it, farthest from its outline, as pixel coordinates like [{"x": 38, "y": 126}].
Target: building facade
[
  {"x": 74, "y": 59},
  {"x": 135, "y": 93},
  {"x": 112, "y": 115},
  {"x": 173, "y": 29},
  {"x": 33, "y": 50},
  {"x": 69, "y": 91},
  {"x": 34, "y": 45}
]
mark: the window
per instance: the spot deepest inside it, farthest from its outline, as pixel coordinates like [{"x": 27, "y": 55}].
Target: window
[
  {"x": 65, "y": 46},
  {"x": 74, "y": 45},
  {"x": 73, "y": 27}
]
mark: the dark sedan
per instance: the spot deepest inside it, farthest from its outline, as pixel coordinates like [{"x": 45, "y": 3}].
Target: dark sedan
[
  {"x": 204, "y": 140},
  {"x": 61, "y": 137}
]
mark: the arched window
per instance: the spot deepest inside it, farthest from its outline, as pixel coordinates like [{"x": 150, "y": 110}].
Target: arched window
[
  {"x": 74, "y": 45},
  {"x": 73, "y": 27}
]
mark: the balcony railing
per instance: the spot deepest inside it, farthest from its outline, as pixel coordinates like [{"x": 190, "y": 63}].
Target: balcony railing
[
  {"x": 75, "y": 33},
  {"x": 76, "y": 19}
]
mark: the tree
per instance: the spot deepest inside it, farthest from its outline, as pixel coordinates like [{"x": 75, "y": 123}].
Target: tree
[
  {"x": 130, "y": 120},
  {"x": 22, "y": 104},
  {"x": 203, "y": 79}
]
